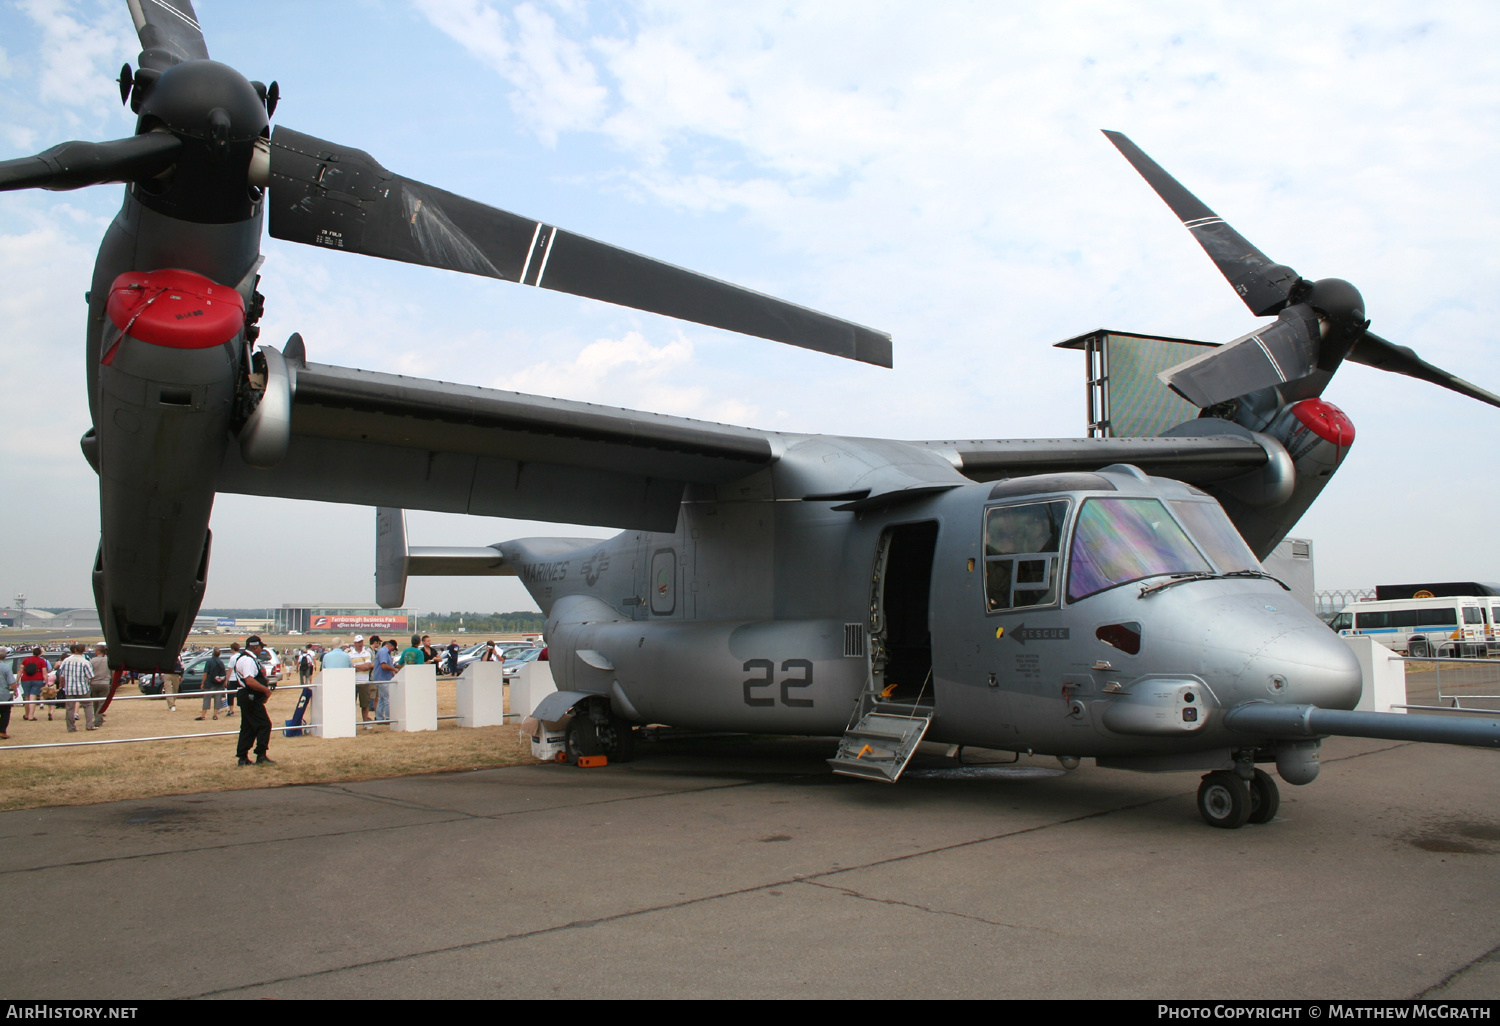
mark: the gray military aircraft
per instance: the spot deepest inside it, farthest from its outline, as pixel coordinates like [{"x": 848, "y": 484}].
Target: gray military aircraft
[{"x": 1098, "y": 597}]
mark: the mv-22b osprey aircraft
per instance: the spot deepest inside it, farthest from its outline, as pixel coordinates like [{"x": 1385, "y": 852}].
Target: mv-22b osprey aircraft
[{"x": 1097, "y": 597}]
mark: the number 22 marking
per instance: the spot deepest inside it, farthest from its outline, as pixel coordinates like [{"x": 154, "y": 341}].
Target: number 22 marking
[{"x": 768, "y": 668}]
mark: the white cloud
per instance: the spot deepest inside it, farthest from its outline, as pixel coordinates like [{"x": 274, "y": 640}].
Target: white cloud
[
  {"x": 627, "y": 370},
  {"x": 555, "y": 86},
  {"x": 42, "y": 330},
  {"x": 81, "y": 51}
]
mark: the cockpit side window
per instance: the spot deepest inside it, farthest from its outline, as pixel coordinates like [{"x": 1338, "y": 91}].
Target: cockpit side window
[
  {"x": 1216, "y": 536},
  {"x": 1122, "y": 540},
  {"x": 1021, "y": 546}
]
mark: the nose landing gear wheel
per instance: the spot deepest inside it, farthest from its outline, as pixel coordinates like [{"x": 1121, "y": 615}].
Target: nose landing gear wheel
[
  {"x": 1224, "y": 800},
  {"x": 1265, "y": 798}
]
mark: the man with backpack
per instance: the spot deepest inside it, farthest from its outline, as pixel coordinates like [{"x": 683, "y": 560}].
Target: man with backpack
[
  {"x": 249, "y": 675},
  {"x": 33, "y": 678},
  {"x": 215, "y": 678}
]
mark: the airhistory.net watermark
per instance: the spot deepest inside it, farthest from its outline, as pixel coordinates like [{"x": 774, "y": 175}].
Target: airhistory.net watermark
[{"x": 53, "y": 1010}]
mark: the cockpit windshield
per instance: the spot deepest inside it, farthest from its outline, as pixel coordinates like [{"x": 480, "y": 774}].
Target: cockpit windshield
[
  {"x": 1122, "y": 540},
  {"x": 1217, "y": 536}
]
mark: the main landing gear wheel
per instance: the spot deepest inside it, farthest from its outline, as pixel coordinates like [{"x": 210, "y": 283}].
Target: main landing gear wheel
[
  {"x": 1224, "y": 800},
  {"x": 582, "y": 738},
  {"x": 614, "y": 739},
  {"x": 1265, "y": 798}
]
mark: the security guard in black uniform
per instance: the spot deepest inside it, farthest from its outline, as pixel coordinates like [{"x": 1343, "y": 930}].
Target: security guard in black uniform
[{"x": 254, "y": 689}]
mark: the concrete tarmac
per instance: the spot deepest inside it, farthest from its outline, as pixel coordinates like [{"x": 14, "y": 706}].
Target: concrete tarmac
[{"x": 743, "y": 868}]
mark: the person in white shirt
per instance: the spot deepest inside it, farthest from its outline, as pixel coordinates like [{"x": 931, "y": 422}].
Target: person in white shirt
[
  {"x": 246, "y": 673},
  {"x": 73, "y": 675},
  {"x": 364, "y": 661}
]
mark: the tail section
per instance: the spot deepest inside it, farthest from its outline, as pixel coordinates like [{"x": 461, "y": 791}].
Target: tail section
[{"x": 543, "y": 564}]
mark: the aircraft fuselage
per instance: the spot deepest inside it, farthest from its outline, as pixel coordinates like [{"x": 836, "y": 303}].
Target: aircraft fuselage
[{"x": 769, "y": 614}]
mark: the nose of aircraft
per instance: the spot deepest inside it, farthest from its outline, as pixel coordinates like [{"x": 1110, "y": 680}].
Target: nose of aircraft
[
  {"x": 1303, "y": 666},
  {"x": 1251, "y": 642}
]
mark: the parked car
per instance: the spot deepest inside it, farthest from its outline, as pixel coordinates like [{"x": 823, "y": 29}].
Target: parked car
[
  {"x": 504, "y": 651},
  {"x": 192, "y": 665},
  {"x": 513, "y": 664},
  {"x": 272, "y": 662}
]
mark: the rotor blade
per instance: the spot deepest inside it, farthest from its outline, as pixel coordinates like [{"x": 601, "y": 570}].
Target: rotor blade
[
  {"x": 1262, "y": 283},
  {"x": 1374, "y": 351},
  {"x": 323, "y": 194},
  {"x": 1281, "y": 352},
  {"x": 72, "y": 165},
  {"x": 169, "y": 33}
]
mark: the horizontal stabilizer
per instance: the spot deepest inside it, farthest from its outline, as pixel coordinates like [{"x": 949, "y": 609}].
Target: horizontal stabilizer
[
  {"x": 456, "y": 561},
  {"x": 395, "y": 561}
]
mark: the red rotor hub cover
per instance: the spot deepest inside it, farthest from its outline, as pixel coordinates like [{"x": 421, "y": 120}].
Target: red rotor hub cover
[
  {"x": 176, "y": 309},
  {"x": 1325, "y": 420}
]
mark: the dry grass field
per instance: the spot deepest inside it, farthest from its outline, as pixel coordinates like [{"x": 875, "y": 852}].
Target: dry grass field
[{"x": 83, "y": 775}]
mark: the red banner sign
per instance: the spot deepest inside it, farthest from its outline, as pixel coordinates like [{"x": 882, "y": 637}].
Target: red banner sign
[{"x": 356, "y": 623}]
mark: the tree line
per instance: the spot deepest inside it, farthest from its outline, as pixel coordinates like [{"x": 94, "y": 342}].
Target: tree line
[{"x": 521, "y": 622}]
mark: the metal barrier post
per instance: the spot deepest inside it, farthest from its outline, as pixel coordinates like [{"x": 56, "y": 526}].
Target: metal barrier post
[
  {"x": 529, "y": 687},
  {"x": 333, "y": 704},
  {"x": 414, "y": 698},
  {"x": 1383, "y": 673},
  {"x": 481, "y": 695}
]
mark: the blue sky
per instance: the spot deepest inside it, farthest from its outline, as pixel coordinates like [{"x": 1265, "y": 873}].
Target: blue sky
[{"x": 933, "y": 170}]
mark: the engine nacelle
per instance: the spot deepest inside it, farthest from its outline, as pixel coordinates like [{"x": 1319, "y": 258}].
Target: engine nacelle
[
  {"x": 1315, "y": 436},
  {"x": 168, "y": 374}
]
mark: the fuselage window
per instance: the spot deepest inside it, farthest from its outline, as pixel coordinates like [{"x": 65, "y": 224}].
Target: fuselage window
[
  {"x": 1122, "y": 540},
  {"x": 1021, "y": 546}
]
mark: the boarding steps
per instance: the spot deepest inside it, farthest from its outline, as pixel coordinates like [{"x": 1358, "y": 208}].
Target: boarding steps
[{"x": 882, "y": 736}]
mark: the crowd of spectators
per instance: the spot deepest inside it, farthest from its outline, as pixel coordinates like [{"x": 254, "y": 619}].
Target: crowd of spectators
[{"x": 74, "y": 683}]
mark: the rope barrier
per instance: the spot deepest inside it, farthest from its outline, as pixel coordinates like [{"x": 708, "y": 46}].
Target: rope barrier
[
  {"x": 163, "y": 737},
  {"x": 184, "y": 695}
]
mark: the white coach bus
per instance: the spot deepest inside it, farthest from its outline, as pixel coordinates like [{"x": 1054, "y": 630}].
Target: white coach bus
[{"x": 1458, "y": 625}]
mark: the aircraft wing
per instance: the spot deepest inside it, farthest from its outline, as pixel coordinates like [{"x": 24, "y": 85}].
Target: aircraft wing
[
  {"x": 379, "y": 439},
  {"x": 1192, "y": 459}
]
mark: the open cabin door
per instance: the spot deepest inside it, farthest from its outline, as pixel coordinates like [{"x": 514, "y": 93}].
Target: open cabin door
[{"x": 896, "y": 707}]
